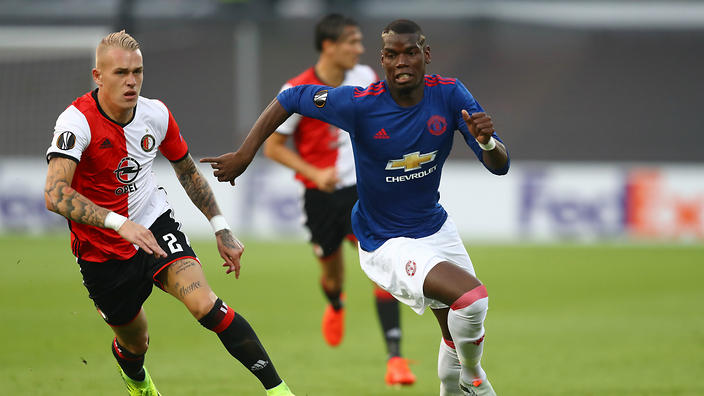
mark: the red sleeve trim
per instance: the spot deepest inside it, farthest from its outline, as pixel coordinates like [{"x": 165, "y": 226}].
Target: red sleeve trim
[
  {"x": 374, "y": 89},
  {"x": 434, "y": 80}
]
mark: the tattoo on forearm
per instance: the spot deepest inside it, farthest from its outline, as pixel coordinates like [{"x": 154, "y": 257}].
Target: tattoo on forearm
[
  {"x": 228, "y": 239},
  {"x": 185, "y": 290},
  {"x": 196, "y": 186},
  {"x": 69, "y": 202}
]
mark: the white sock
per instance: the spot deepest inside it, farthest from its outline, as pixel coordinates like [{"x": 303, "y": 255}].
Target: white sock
[
  {"x": 448, "y": 370},
  {"x": 466, "y": 323}
]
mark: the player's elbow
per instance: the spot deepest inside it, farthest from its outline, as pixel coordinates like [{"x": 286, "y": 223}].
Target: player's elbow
[
  {"x": 49, "y": 202},
  {"x": 53, "y": 195},
  {"x": 502, "y": 170}
]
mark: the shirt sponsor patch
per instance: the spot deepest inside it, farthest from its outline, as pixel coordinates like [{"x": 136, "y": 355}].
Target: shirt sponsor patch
[{"x": 127, "y": 170}]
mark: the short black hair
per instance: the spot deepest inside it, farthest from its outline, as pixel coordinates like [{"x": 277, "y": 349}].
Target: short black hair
[
  {"x": 404, "y": 26},
  {"x": 330, "y": 28}
]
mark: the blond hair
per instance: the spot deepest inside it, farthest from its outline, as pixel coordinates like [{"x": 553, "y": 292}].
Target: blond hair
[{"x": 119, "y": 39}]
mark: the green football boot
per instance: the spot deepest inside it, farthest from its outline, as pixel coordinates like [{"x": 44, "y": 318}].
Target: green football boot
[
  {"x": 140, "y": 388},
  {"x": 280, "y": 390}
]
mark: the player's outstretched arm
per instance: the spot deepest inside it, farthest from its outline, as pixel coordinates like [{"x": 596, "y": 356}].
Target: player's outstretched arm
[
  {"x": 230, "y": 165},
  {"x": 201, "y": 195},
  {"x": 61, "y": 198},
  {"x": 481, "y": 126}
]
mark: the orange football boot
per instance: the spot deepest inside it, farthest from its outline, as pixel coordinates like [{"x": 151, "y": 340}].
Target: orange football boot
[
  {"x": 333, "y": 325},
  {"x": 398, "y": 372}
]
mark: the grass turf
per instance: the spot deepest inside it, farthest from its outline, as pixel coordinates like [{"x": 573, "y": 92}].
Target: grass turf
[{"x": 563, "y": 320}]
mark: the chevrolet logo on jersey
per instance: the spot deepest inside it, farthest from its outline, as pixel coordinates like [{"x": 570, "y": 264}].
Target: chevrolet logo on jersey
[{"x": 411, "y": 161}]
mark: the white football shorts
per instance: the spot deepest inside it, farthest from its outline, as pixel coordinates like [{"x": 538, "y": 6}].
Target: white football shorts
[{"x": 400, "y": 265}]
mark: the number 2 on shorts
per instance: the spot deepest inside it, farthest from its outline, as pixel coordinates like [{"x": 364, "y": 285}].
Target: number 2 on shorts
[{"x": 171, "y": 241}]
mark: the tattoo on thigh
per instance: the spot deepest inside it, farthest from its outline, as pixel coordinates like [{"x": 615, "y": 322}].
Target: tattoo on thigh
[
  {"x": 185, "y": 290},
  {"x": 183, "y": 265}
]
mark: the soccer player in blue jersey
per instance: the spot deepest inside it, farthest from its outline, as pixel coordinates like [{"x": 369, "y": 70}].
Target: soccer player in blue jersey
[{"x": 401, "y": 131}]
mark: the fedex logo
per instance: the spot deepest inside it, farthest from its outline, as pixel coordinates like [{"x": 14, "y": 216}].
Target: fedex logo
[
  {"x": 558, "y": 205},
  {"x": 583, "y": 202},
  {"x": 665, "y": 205}
]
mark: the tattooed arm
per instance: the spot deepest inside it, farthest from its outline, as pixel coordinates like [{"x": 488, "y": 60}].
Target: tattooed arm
[
  {"x": 201, "y": 195},
  {"x": 196, "y": 186},
  {"x": 61, "y": 198}
]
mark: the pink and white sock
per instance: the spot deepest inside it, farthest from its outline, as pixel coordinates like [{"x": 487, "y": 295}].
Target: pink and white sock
[
  {"x": 466, "y": 324},
  {"x": 449, "y": 369}
]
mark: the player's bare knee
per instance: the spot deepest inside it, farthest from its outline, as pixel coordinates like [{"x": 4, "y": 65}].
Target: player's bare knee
[
  {"x": 446, "y": 282},
  {"x": 201, "y": 307},
  {"x": 137, "y": 345}
]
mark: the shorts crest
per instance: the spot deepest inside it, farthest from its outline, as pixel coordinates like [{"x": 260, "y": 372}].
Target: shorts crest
[{"x": 411, "y": 267}]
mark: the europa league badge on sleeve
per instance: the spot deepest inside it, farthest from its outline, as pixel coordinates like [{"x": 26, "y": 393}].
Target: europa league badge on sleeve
[
  {"x": 320, "y": 98},
  {"x": 66, "y": 140}
]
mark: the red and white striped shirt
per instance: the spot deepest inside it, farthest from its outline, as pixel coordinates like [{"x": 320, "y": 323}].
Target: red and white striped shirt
[
  {"x": 115, "y": 168},
  {"x": 321, "y": 144}
]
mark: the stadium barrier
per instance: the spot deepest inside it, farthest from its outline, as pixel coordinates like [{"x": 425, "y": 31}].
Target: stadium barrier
[{"x": 535, "y": 202}]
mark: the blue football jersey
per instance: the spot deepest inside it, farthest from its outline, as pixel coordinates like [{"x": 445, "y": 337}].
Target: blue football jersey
[{"x": 399, "y": 151}]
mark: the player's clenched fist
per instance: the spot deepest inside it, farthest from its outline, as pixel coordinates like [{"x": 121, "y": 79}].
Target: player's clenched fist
[{"x": 479, "y": 125}]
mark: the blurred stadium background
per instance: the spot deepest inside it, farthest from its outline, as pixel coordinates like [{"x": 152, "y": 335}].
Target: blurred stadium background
[{"x": 603, "y": 211}]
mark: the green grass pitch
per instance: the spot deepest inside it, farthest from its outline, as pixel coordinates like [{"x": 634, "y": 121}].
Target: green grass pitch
[{"x": 563, "y": 320}]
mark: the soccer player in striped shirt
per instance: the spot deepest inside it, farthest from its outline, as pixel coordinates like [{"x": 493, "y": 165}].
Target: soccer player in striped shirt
[
  {"x": 123, "y": 232},
  {"x": 401, "y": 131}
]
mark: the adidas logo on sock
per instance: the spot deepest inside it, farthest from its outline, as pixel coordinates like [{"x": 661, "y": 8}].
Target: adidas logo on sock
[
  {"x": 381, "y": 134},
  {"x": 260, "y": 364},
  {"x": 394, "y": 333}
]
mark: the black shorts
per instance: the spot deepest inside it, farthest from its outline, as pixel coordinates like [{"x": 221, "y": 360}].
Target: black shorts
[
  {"x": 328, "y": 217},
  {"x": 118, "y": 288}
]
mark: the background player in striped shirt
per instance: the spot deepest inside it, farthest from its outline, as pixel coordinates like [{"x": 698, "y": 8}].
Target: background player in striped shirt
[
  {"x": 324, "y": 164},
  {"x": 123, "y": 233},
  {"x": 408, "y": 244}
]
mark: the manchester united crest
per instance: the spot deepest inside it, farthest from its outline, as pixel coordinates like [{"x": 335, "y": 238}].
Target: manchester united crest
[
  {"x": 411, "y": 267},
  {"x": 437, "y": 125}
]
